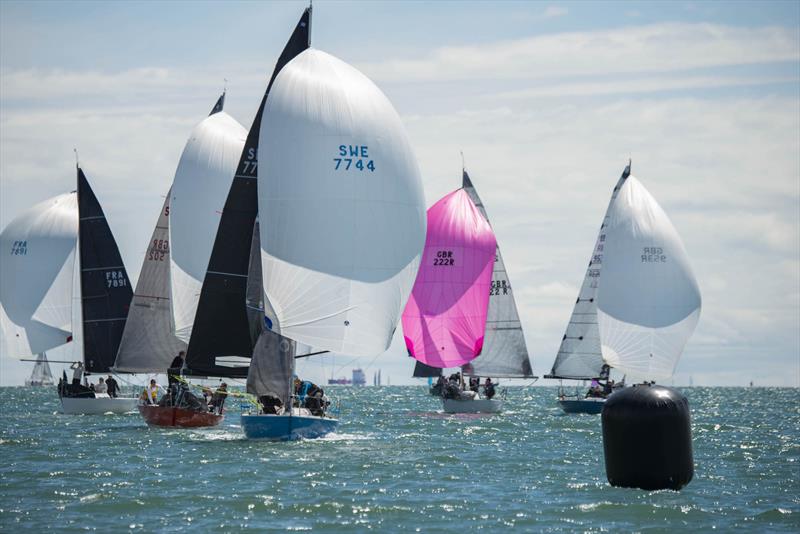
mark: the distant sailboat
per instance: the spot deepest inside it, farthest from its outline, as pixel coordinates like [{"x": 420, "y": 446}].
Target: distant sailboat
[
  {"x": 341, "y": 216},
  {"x": 444, "y": 323},
  {"x": 639, "y": 302},
  {"x": 41, "y": 375},
  {"x": 37, "y": 287}
]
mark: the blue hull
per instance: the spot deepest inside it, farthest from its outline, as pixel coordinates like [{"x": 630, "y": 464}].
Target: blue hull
[
  {"x": 287, "y": 427},
  {"x": 582, "y": 406}
]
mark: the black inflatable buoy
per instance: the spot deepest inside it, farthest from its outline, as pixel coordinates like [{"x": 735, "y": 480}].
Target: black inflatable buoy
[{"x": 647, "y": 438}]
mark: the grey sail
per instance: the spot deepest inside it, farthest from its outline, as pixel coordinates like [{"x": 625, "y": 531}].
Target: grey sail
[
  {"x": 254, "y": 292},
  {"x": 41, "y": 375},
  {"x": 579, "y": 356},
  {"x": 504, "y": 351},
  {"x": 148, "y": 343},
  {"x": 272, "y": 366}
]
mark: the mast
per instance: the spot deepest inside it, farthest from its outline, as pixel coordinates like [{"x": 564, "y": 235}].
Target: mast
[
  {"x": 221, "y": 326},
  {"x": 105, "y": 287}
]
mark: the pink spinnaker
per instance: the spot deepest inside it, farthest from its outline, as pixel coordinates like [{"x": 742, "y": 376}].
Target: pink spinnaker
[{"x": 445, "y": 318}]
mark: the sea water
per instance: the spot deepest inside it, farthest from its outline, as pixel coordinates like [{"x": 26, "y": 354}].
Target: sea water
[{"x": 397, "y": 464}]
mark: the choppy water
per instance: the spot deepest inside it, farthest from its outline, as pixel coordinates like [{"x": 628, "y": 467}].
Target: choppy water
[{"x": 396, "y": 465}]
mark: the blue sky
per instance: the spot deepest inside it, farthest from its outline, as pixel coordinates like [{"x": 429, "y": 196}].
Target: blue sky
[{"x": 547, "y": 100}]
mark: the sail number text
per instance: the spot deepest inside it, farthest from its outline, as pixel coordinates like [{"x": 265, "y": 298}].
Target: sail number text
[
  {"x": 499, "y": 287},
  {"x": 158, "y": 250},
  {"x": 353, "y": 157},
  {"x": 115, "y": 279},
  {"x": 19, "y": 248},
  {"x": 444, "y": 257},
  {"x": 653, "y": 255}
]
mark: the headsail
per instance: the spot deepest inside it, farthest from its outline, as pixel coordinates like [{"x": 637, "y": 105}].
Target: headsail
[
  {"x": 425, "y": 371},
  {"x": 148, "y": 344},
  {"x": 579, "y": 356},
  {"x": 444, "y": 322},
  {"x": 504, "y": 351},
  {"x": 648, "y": 303},
  {"x": 37, "y": 262},
  {"x": 221, "y": 325},
  {"x": 105, "y": 287},
  {"x": 201, "y": 182},
  {"x": 342, "y": 210}
]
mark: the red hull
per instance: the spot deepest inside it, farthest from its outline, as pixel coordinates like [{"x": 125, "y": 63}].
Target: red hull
[{"x": 169, "y": 416}]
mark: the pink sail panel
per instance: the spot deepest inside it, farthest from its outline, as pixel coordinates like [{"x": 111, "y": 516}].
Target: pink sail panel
[{"x": 445, "y": 318}]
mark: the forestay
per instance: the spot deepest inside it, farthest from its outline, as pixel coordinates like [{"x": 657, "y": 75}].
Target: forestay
[
  {"x": 648, "y": 302},
  {"x": 579, "y": 356},
  {"x": 148, "y": 344},
  {"x": 37, "y": 262},
  {"x": 444, "y": 321},
  {"x": 201, "y": 184},
  {"x": 504, "y": 351},
  {"x": 341, "y": 207}
]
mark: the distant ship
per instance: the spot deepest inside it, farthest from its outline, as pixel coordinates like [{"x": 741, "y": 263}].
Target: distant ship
[{"x": 359, "y": 379}]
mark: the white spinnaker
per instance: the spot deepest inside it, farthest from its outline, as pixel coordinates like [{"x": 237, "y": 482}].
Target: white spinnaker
[
  {"x": 201, "y": 185},
  {"x": 37, "y": 266},
  {"x": 648, "y": 302},
  {"x": 148, "y": 344},
  {"x": 341, "y": 207}
]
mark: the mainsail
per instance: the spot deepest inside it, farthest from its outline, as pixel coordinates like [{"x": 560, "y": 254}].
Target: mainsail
[
  {"x": 37, "y": 262},
  {"x": 221, "y": 324},
  {"x": 444, "y": 322},
  {"x": 202, "y": 180},
  {"x": 579, "y": 356},
  {"x": 504, "y": 351},
  {"x": 148, "y": 343},
  {"x": 41, "y": 375},
  {"x": 639, "y": 302},
  {"x": 105, "y": 288},
  {"x": 341, "y": 207}
]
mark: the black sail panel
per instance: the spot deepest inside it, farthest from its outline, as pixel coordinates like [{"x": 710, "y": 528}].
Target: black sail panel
[
  {"x": 221, "y": 326},
  {"x": 219, "y": 105},
  {"x": 422, "y": 370},
  {"x": 105, "y": 287}
]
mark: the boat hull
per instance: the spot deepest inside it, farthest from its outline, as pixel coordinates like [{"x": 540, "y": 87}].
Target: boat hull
[
  {"x": 287, "y": 427},
  {"x": 97, "y": 406},
  {"x": 472, "y": 405},
  {"x": 171, "y": 416},
  {"x": 590, "y": 405}
]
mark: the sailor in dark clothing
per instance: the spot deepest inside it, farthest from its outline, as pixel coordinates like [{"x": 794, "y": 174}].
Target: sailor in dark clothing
[
  {"x": 488, "y": 388},
  {"x": 175, "y": 368},
  {"x": 113, "y": 387},
  {"x": 218, "y": 398},
  {"x": 474, "y": 382},
  {"x": 310, "y": 396}
]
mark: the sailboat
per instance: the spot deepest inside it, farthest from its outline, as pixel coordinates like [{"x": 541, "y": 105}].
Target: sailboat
[
  {"x": 444, "y": 322},
  {"x": 37, "y": 287},
  {"x": 639, "y": 302},
  {"x": 41, "y": 375},
  {"x": 341, "y": 217},
  {"x": 504, "y": 353}
]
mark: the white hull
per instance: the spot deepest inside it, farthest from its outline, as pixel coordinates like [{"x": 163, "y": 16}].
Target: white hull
[
  {"x": 472, "y": 406},
  {"x": 97, "y": 406}
]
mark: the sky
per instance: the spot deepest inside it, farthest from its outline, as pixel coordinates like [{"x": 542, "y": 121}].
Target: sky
[{"x": 547, "y": 101}]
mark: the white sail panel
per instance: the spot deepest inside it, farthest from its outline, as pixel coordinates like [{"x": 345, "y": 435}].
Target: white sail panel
[
  {"x": 148, "y": 344},
  {"x": 37, "y": 261},
  {"x": 580, "y": 355},
  {"x": 648, "y": 301},
  {"x": 201, "y": 185},
  {"x": 341, "y": 207}
]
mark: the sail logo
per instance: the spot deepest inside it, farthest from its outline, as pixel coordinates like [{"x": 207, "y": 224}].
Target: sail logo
[
  {"x": 499, "y": 287},
  {"x": 159, "y": 250},
  {"x": 115, "y": 279},
  {"x": 653, "y": 255},
  {"x": 353, "y": 157},
  {"x": 444, "y": 257},
  {"x": 19, "y": 248}
]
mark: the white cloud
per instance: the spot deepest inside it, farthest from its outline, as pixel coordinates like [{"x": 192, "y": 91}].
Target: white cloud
[
  {"x": 551, "y": 12},
  {"x": 646, "y": 48}
]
